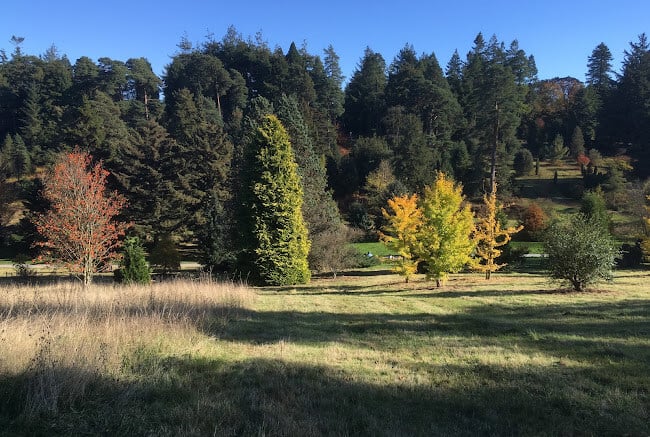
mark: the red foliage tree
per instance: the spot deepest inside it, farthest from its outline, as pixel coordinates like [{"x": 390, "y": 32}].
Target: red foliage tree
[
  {"x": 80, "y": 229},
  {"x": 534, "y": 220}
]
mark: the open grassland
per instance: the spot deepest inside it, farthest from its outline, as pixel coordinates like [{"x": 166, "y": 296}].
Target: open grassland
[{"x": 362, "y": 354}]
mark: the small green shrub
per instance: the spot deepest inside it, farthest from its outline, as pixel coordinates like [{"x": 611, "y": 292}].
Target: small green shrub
[{"x": 133, "y": 266}]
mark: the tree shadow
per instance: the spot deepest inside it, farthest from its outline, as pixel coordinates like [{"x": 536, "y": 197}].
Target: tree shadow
[
  {"x": 580, "y": 331},
  {"x": 199, "y": 396}
]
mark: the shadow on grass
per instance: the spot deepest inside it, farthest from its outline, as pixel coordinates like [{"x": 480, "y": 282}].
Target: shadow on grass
[
  {"x": 592, "y": 332},
  {"x": 198, "y": 396},
  {"x": 354, "y": 273}
]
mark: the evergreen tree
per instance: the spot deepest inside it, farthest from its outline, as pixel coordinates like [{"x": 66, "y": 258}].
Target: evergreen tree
[
  {"x": 332, "y": 95},
  {"x": 133, "y": 265},
  {"x": 633, "y": 95},
  {"x": 97, "y": 124},
  {"x": 412, "y": 157},
  {"x": 297, "y": 81},
  {"x": 523, "y": 162},
  {"x": 577, "y": 147},
  {"x": 594, "y": 207},
  {"x": 85, "y": 79},
  {"x": 599, "y": 68},
  {"x": 278, "y": 239},
  {"x": 156, "y": 203},
  {"x": 31, "y": 122},
  {"x": 364, "y": 96},
  {"x": 202, "y": 157},
  {"x": 215, "y": 236},
  {"x": 22, "y": 163},
  {"x": 558, "y": 151},
  {"x": 494, "y": 96},
  {"x": 454, "y": 74},
  {"x": 319, "y": 210}
]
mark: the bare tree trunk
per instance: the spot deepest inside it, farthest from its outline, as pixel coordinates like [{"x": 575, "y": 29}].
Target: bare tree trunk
[{"x": 493, "y": 160}]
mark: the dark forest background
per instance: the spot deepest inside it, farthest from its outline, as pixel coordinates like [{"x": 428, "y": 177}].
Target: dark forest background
[{"x": 176, "y": 145}]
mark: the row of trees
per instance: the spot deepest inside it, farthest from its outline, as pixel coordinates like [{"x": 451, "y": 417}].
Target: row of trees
[
  {"x": 82, "y": 230},
  {"x": 180, "y": 162},
  {"x": 438, "y": 232}
]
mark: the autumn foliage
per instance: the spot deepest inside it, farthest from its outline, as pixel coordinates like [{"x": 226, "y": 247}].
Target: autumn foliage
[
  {"x": 404, "y": 220},
  {"x": 80, "y": 229},
  {"x": 434, "y": 229},
  {"x": 490, "y": 235}
]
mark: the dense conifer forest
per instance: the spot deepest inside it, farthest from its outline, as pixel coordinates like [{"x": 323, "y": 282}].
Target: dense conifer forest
[{"x": 185, "y": 149}]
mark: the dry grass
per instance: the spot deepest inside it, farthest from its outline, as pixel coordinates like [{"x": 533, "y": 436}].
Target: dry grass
[{"x": 62, "y": 338}]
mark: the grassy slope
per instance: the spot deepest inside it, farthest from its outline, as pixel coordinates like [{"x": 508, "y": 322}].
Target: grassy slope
[{"x": 362, "y": 354}]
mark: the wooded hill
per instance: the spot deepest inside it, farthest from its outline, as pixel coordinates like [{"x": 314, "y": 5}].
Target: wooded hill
[{"x": 181, "y": 159}]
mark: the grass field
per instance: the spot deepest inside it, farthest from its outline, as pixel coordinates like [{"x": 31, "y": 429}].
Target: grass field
[{"x": 362, "y": 354}]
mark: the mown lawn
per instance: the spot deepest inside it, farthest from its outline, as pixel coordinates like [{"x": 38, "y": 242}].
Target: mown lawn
[{"x": 363, "y": 354}]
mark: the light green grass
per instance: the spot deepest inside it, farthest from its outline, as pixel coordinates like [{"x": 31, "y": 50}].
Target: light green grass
[
  {"x": 366, "y": 354},
  {"x": 376, "y": 248}
]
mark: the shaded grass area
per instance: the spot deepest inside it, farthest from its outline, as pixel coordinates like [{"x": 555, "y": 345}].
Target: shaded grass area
[{"x": 367, "y": 355}]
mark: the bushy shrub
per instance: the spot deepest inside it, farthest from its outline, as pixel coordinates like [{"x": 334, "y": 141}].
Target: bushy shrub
[{"x": 580, "y": 251}]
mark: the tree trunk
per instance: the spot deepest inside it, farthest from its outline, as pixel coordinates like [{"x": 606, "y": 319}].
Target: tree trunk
[
  {"x": 493, "y": 160},
  {"x": 438, "y": 283},
  {"x": 578, "y": 285}
]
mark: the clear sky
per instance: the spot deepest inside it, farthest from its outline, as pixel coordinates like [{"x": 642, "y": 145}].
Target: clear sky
[{"x": 560, "y": 34}]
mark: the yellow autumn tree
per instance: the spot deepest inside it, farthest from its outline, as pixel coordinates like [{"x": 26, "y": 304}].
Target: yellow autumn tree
[
  {"x": 489, "y": 235},
  {"x": 444, "y": 239},
  {"x": 404, "y": 220}
]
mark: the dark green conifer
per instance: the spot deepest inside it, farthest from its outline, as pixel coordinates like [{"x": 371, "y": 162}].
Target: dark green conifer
[{"x": 278, "y": 242}]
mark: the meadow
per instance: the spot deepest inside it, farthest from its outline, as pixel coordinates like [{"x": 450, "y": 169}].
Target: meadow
[{"x": 362, "y": 354}]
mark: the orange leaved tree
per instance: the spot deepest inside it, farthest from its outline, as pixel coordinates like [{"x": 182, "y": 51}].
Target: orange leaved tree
[{"x": 80, "y": 229}]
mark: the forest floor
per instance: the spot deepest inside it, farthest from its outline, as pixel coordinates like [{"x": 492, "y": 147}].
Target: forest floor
[{"x": 364, "y": 354}]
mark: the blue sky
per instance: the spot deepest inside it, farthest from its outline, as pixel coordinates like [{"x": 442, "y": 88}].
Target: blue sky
[{"x": 560, "y": 34}]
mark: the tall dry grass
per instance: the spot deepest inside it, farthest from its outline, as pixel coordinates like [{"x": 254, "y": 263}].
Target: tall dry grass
[{"x": 58, "y": 340}]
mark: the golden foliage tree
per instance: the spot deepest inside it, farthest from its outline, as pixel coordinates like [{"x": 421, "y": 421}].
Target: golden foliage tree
[
  {"x": 490, "y": 236},
  {"x": 434, "y": 229},
  {"x": 445, "y": 243},
  {"x": 403, "y": 225}
]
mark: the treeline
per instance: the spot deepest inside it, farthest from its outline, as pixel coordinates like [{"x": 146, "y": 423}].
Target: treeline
[{"x": 181, "y": 160}]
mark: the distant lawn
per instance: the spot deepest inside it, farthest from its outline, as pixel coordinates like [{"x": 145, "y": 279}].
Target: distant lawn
[
  {"x": 532, "y": 246},
  {"x": 376, "y": 248},
  {"x": 364, "y": 354}
]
